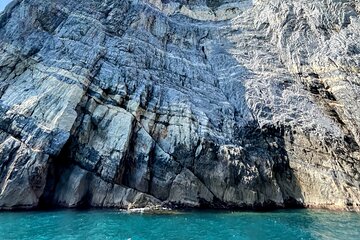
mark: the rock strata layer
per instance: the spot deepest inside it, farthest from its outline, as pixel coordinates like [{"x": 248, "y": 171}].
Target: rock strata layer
[{"x": 206, "y": 104}]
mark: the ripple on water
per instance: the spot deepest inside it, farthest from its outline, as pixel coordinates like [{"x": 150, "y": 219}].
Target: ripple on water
[{"x": 294, "y": 224}]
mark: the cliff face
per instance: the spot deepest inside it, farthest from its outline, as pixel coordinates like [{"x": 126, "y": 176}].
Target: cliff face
[{"x": 184, "y": 103}]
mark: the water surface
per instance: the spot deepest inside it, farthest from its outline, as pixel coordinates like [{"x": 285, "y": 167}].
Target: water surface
[{"x": 104, "y": 224}]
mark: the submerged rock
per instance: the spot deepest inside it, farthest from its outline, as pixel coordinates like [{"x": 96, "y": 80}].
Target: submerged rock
[{"x": 217, "y": 104}]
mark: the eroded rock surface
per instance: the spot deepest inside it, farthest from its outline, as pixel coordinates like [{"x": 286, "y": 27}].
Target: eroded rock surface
[{"x": 198, "y": 103}]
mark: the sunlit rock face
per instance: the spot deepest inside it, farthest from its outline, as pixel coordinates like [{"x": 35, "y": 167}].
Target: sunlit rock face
[{"x": 187, "y": 103}]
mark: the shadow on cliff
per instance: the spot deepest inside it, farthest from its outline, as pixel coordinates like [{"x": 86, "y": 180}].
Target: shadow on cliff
[
  {"x": 264, "y": 148},
  {"x": 57, "y": 168},
  {"x": 277, "y": 138}
]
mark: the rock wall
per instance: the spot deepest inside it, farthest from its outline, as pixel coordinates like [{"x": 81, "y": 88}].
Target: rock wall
[{"x": 206, "y": 104}]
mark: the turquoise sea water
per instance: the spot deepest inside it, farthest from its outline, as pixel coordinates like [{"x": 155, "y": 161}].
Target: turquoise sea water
[{"x": 104, "y": 224}]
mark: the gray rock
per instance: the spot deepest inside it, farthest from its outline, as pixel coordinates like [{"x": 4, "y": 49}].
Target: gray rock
[
  {"x": 187, "y": 190},
  {"x": 226, "y": 104}
]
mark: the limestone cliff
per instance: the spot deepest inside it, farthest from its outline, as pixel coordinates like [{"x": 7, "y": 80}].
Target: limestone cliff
[{"x": 187, "y": 103}]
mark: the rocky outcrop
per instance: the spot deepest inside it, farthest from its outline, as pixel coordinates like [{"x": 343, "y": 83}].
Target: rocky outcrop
[{"x": 220, "y": 104}]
